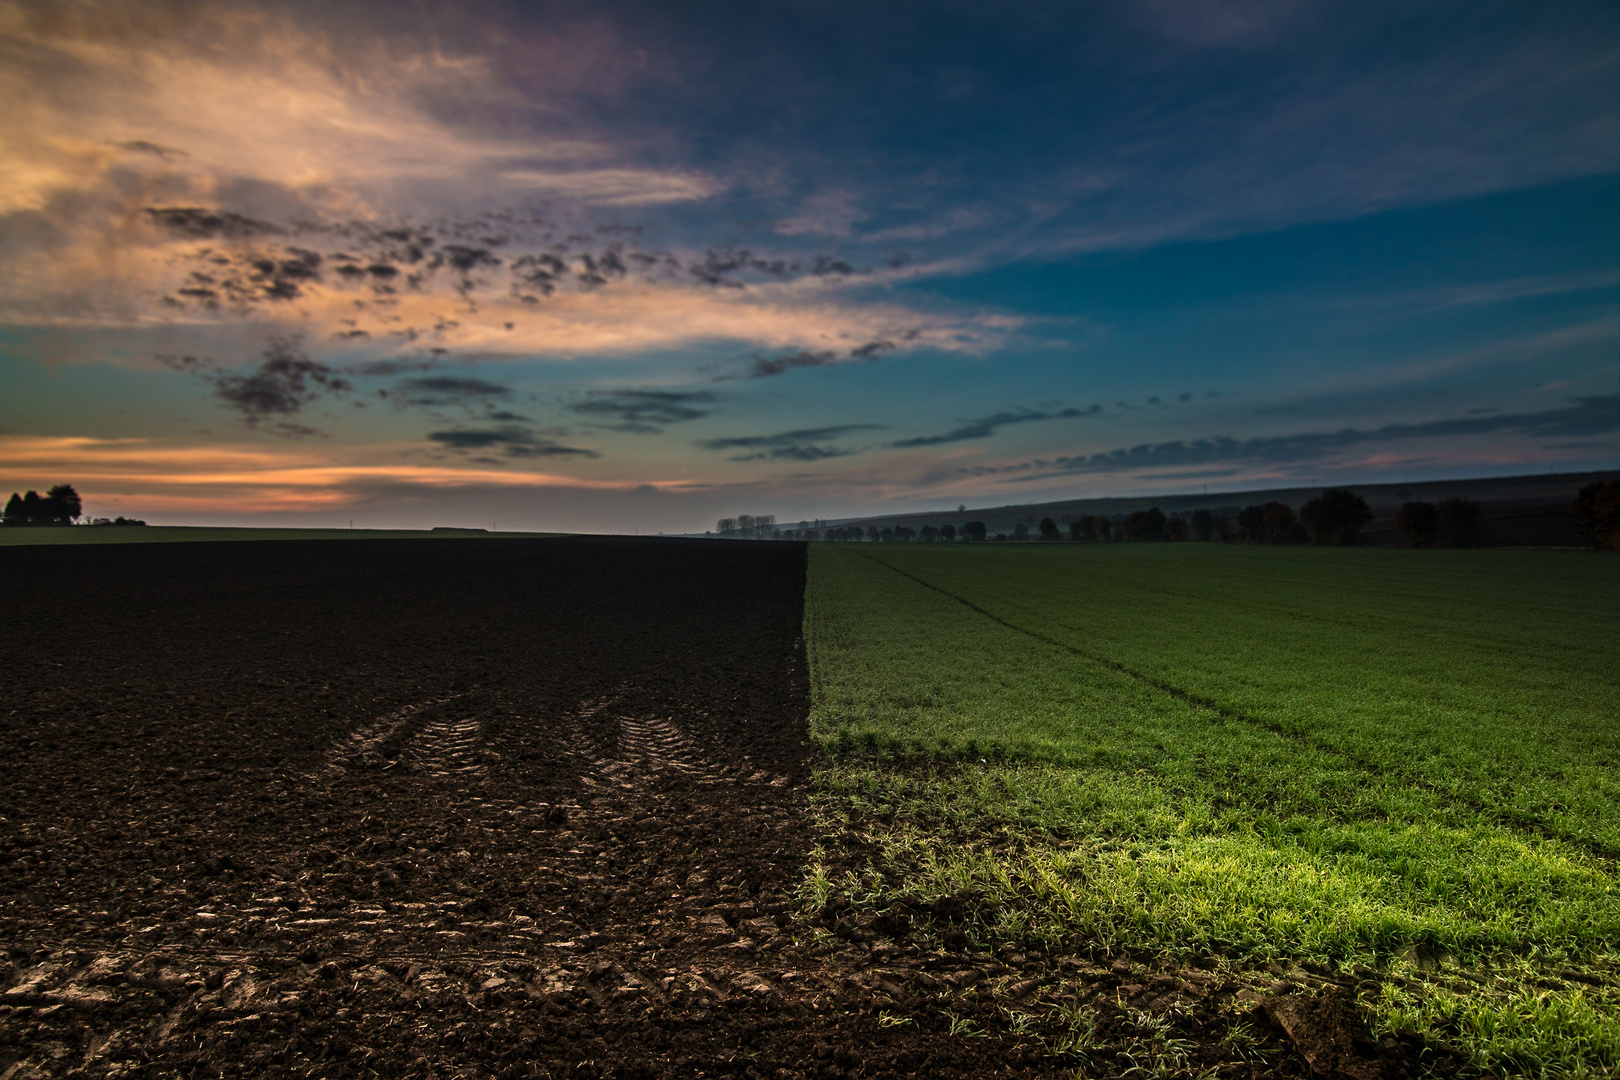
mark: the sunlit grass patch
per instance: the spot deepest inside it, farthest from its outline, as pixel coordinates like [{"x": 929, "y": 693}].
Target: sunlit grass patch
[{"x": 1324, "y": 758}]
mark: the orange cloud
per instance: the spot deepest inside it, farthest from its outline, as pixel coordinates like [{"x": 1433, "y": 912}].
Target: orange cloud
[{"x": 157, "y": 476}]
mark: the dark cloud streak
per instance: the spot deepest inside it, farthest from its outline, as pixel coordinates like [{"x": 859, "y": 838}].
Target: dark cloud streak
[
  {"x": 804, "y": 444},
  {"x": 1583, "y": 417},
  {"x": 986, "y": 426},
  {"x": 510, "y": 440},
  {"x": 646, "y": 411}
]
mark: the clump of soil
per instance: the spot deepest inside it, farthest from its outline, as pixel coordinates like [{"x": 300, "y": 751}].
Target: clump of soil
[{"x": 471, "y": 808}]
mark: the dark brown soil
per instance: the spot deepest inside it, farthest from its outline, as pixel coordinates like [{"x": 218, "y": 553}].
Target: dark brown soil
[{"x": 476, "y": 808}]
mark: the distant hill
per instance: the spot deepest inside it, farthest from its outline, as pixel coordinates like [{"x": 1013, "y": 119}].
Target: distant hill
[{"x": 1515, "y": 511}]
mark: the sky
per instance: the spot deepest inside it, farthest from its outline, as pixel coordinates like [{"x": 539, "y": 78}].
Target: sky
[{"x": 631, "y": 267}]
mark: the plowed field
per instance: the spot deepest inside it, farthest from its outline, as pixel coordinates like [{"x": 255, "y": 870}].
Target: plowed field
[{"x": 493, "y": 807}]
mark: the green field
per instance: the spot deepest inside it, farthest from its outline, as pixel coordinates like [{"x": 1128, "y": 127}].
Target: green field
[
  {"x": 1408, "y": 760},
  {"x": 170, "y": 534}
]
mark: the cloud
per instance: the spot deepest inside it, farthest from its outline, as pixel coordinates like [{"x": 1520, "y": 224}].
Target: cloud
[
  {"x": 805, "y": 444},
  {"x": 141, "y": 475},
  {"x": 284, "y": 382},
  {"x": 509, "y": 440},
  {"x": 1583, "y": 417},
  {"x": 765, "y": 368},
  {"x": 832, "y": 213},
  {"x": 986, "y": 426},
  {"x": 438, "y": 390},
  {"x": 646, "y": 411}
]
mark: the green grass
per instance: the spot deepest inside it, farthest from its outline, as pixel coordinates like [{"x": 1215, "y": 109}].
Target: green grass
[
  {"x": 169, "y": 534},
  {"x": 1339, "y": 756}
]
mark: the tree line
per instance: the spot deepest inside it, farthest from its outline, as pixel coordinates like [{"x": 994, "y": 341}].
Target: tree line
[
  {"x": 60, "y": 505},
  {"x": 1334, "y": 518}
]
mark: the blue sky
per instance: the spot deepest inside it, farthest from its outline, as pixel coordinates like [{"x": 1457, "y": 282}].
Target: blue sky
[{"x": 617, "y": 267}]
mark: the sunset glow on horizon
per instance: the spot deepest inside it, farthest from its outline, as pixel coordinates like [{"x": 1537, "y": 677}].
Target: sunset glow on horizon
[{"x": 631, "y": 267}]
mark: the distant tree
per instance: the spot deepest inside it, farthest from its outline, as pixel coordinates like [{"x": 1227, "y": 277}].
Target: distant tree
[
  {"x": 1020, "y": 532},
  {"x": 1145, "y": 525},
  {"x": 1078, "y": 530},
  {"x": 947, "y": 533},
  {"x": 999, "y": 538},
  {"x": 928, "y": 534},
  {"x": 1279, "y": 524},
  {"x": 1270, "y": 523},
  {"x": 1458, "y": 522},
  {"x": 1249, "y": 520},
  {"x": 1418, "y": 523},
  {"x": 904, "y": 534},
  {"x": 726, "y": 526},
  {"x": 1335, "y": 517},
  {"x": 59, "y": 506},
  {"x": 974, "y": 532},
  {"x": 1203, "y": 525},
  {"x": 1102, "y": 528},
  {"x": 1597, "y": 513},
  {"x": 1049, "y": 530},
  {"x": 1177, "y": 529},
  {"x": 63, "y": 505},
  {"x": 872, "y": 534}
]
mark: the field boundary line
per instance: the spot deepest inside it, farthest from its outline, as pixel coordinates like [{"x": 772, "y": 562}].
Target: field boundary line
[{"x": 1591, "y": 847}]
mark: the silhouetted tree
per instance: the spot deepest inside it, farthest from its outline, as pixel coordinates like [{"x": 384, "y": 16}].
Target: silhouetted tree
[
  {"x": 1079, "y": 530},
  {"x": 62, "y": 505},
  {"x": 1597, "y": 513},
  {"x": 1177, "y": 529},
  {"x": 1249, "y": 520},
  {"x": 1335, "y": 517},
  {"x": 872, "y": 534},
  {"x": 726, "y": 526},
  {"x": 1049, "y": 529},
  {"x": 947, "y": 533},
  {"x": 974, "y": 532},
  {"x": 1271, "y": 523},
  {"x": 1020, "y": 531},
  {"x": 1145, "y": 525},
  {"x": 1102, "y": 528},
  {"x": 59, "y": 506},
  {"x": 1280, "y": 525},
  {"x": 1418, "y": 523},
  {"x": 1203, "y": 524},
  {"x": 1458, "y": 522}
]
